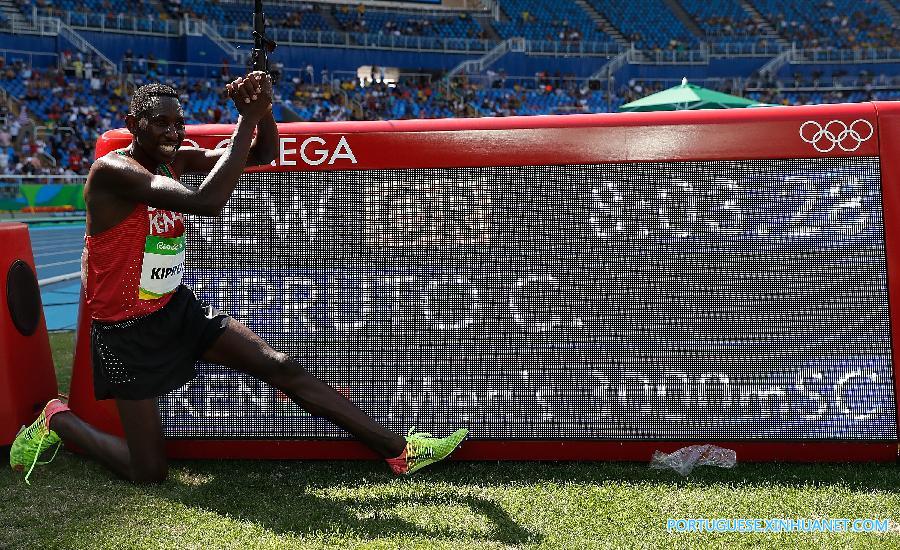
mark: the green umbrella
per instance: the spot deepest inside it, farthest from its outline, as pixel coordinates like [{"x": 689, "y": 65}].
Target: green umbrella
[{"x": 687, "y": 96}]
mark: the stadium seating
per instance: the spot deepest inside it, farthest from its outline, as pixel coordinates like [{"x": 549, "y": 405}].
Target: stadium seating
[
  {"x": 102, "y": 13},
  {"x": 722, "y": 20},
  {"x": 649, "y": 24},
  {"x": 407, "y": 24},
  {"x": 505, "y": 101},
  {"x": 84, "y": 107},
  {"x": 300, "y": 16},
  {"x": 831, "y": 23},
  {"x": 65, "y": 101},
  {"x": 122, "y": 15},
  {"x": 552, "y": 21},
  {"x": 210, "y": 12},
  {"x": 818, "y": 98}
]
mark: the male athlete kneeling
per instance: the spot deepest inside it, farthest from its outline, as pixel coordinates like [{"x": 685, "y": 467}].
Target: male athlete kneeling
[{"x": 147, "y": 328}]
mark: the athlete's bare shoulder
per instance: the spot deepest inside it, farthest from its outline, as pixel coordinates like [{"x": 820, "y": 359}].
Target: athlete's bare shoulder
[
  {"x": 106, "y": 191},
  {"x": 116, "y": 172},
  {"x": 115, "y": 160}
]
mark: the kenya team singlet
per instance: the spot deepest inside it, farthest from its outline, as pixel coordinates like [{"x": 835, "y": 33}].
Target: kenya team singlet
[{"x": 132, "y": 269}]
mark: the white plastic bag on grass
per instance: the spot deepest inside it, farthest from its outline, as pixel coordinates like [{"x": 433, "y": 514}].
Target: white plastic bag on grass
[{"x": 685, "y": 459}]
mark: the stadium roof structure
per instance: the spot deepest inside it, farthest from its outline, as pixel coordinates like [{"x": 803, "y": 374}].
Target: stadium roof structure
[{"x": 687, "y": 96}]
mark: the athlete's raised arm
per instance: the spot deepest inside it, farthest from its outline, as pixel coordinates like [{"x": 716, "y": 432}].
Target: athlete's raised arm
[
  {"x": 265, "y": 145},
  {"x": 157, "y": 124}
]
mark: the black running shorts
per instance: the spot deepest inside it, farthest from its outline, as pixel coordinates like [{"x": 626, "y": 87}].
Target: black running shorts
[{"x": 152, "y": 355}]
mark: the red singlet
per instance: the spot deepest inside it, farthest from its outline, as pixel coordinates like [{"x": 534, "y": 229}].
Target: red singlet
[{"x": 132, "y": 269}]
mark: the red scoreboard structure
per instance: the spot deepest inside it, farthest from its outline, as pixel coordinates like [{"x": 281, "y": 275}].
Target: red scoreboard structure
[{"x": 569, "y": 287}]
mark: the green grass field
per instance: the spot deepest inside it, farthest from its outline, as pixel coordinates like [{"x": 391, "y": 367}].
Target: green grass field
[{"x": 74, "y": 503}]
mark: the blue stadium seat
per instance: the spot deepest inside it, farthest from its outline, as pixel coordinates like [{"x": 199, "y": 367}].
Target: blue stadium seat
[
  {"x": 649, "y": 24},
  {"x": 722, "y": 20},
  {"x": 837, "y": 24},
  {"x": 101, "y": 13},
  {"x": 383, "y": 22},
  {"x": 538, "y": 20}
]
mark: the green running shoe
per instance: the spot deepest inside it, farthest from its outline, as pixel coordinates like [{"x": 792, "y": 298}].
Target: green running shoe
[
  {"x": 32, "y": 441},
  {"x": 423, "y": 450}
]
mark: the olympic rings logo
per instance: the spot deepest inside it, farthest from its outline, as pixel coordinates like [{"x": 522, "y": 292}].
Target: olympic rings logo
[{"x": 836, "y": 134}]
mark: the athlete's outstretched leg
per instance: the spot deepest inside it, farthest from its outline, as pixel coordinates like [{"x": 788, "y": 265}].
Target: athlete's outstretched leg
[
  {"x": 240, "y": 349},
  {"x": 140, "y": 457}
]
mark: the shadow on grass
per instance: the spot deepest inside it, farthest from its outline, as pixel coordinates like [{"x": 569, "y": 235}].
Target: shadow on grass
[
  {"x": 853, "y": 476},
  {"x": 457, "y": 502},
  {"x": 287, "y": 496},
  {"x": 267, "y": 498}
]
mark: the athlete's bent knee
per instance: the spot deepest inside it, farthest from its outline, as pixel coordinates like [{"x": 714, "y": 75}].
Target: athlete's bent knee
[
  {"x": 147, "y": 475},
  {"x": 149, "y": 478}
]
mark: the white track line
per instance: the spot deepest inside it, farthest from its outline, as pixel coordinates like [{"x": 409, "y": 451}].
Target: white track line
[
  {"x": 60, "y": 252},
  {"x": 55, "y": 246},
  {"x": 58, "y": 263},
  {"x": 59, "y": 278}
]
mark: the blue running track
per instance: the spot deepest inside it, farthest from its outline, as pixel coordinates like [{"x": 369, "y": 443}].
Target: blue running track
[{"x": 57, "y": 252}]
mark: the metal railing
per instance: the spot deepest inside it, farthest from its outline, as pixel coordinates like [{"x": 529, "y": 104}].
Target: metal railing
[
  {"x": 713, "y": 83},
  {"x": 832, "y": 84},
  {"x": 530, "y": 82},
  {"x": 668, "y": 57},
  {"x": 387, "y": 5},
  {"x": 45, "y": 26},
  {"x": 113, "y": 23},
  {"x": 131, "y": 66},
  {"x": 339, "y": 38},
  {"x": 772, "y": 66},
  {"x": 162, "y": 67},
  {"x": 867, "y": 55},
  {"x": 610, "y": 67},
  {"x": 475, "y": 66},
  {"x": 8, "y": 181},
  {"x": 42, "y": 19},
  {"x": 287, "y": 36},
  {"x": 551, "y": 47},
  {"x": 77, "y": 40},
  {"x": 745, "y": 49},
  {"x": 27, "y": 57},
  {"x": 210, "y": 32}
]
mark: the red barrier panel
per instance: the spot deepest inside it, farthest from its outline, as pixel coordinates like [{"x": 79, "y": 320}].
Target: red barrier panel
[
  {"x": 569, "y": 287},
  {"x": 101, "y": 414},
  {"x": 27, "y": 378}
]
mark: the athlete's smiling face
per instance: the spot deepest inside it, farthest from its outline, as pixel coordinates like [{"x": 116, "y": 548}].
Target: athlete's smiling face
[{"x": 159, "y": 130}]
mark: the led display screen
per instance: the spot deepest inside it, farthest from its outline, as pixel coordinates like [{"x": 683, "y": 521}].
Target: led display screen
[{"x": 683, "y": 300}]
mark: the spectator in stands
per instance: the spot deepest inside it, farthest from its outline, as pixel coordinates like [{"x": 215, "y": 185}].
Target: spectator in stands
[
  {"x": 78, "y": 66},
  {"x": 127, "y": 61}
]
